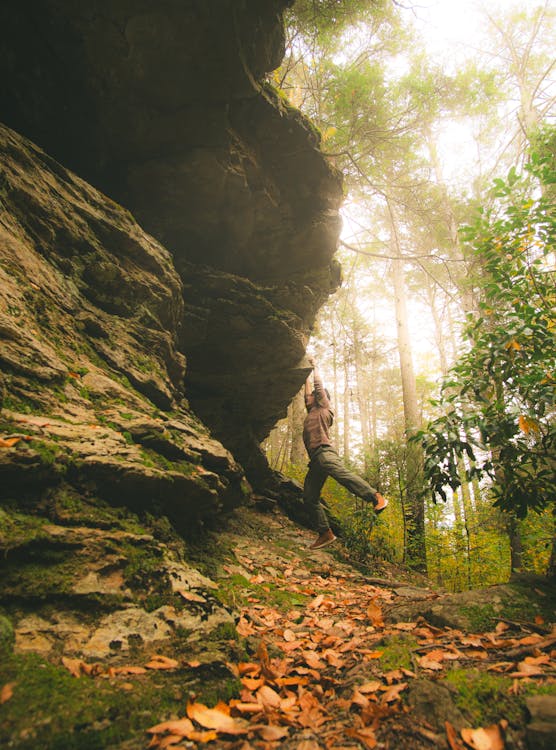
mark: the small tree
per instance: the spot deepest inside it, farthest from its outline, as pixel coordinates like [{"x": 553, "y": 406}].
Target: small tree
[{"x": 498, "y": 402}]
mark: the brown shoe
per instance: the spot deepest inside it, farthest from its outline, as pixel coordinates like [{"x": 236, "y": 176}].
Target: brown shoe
[
  {"x": 379, "y": 503},
  {"x": 323, "y": 540}
]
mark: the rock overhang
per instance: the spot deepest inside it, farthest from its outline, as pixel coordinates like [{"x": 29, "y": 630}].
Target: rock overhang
[{"x": 164, "y": 107}]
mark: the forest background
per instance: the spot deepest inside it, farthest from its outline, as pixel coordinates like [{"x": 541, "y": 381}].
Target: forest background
[{"x": 439, "y": 347}]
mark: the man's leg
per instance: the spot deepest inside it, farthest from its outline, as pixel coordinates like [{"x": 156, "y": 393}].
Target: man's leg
[
  {"x": 331, "y": 463},
  {"x": 314, "y": 481}
]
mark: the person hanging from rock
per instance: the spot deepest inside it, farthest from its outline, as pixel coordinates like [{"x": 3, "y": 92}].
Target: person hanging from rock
[{"x": 325, "y": 462}]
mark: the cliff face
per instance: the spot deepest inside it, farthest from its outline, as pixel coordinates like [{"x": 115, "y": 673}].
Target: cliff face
[
  {"x": 148, "y": 340},
  {"x": 161, "y": 106}
]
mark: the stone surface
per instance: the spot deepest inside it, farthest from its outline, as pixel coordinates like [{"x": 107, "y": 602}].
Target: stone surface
[
  {"x": 541, "y": 731},
  {"x": 95, "y": 592},
  {"x": 98, "y": 410},
  {"x": 164, "y": 106},
  {"x": 434, "y": 703}
]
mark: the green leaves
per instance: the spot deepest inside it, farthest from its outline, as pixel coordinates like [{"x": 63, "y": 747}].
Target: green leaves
[{"x": 498, "y": 404}]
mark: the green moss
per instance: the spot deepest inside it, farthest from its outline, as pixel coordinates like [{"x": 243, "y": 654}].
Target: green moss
[
  {"x": 236, "y": 591},
  {"x": 17, "y": 528},
  {"x": 223, "y": 690},
  {"x": 397, "y": 652},
  {"x": 79, "y": 713},
  {"x": 483, "y": 617},
  {"x": 485, "y": 697},
  {"x": 225, "y": 631}
]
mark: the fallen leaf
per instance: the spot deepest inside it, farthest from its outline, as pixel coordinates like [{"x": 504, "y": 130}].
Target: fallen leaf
[
  {"x": 272, "y": 733},
  {"x": 452, "y": 736},
  {"x": 162, "y": 662},
  {"x": 489, "y": 738},
  {"x": 369, "y": 687},
  {"x": 315, "y": 604},
  {"x": 266, "y": 668},
  {"x": 129, "y": 670},
  {"x": 365, "y": 735},
  {"x": 191, "y": 596},
  {"x": 427, "y": 662},
  {"x": 9, "y": 442},
  {"x": 214, "y": 718},
  {"x": 393, "y": 692},
  {"x": 244, "y": 627},
  {"x": 181, "y": 727},
  {"x": 7, "y": 692},
  {"x": 268, "y": 697},
  {"x": 245, "y": 707},
  {"x": 374, "y": 612},
  {"x": 74, "y": 666}
]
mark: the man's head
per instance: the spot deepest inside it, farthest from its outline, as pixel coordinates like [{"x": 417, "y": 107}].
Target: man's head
[{"x": 312, "y": 399}]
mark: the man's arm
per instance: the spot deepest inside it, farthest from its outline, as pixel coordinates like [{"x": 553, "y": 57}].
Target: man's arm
[
  {"x": 308, "y": 383},
  {"x": 320, "y": 393}
]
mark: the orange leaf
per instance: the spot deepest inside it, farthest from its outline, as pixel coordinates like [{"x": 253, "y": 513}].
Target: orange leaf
[
  {"x": 252, "y": 683},
  {"x": 272, "y": 733},
  {"x": 393, "y": 692},
  {"x": 190, "y": 596},
  {"x": 513, "y": 345},
  {"x": 161, "y": 662},
  {"x": 74, "y": 666},
  {"x": 374, "y": 612},
  {"x": 181, "y": 727},
  {"x": 527, "y": 425},
  {"x": 244, "y": 627},
  {"x": 129, "y": 670},
  {"x": 246, "y": 707},
  {"x": 369, "y": 687},
  {"x": 7, "y": 692},
  {"x": 452, "y": 736},
  {"x": 315, "y": 604},
  {"x": 365, "y": 735},
  {"x": 489, "y": 738},
  {"x": 427, "y": 662},
  {"x": 9, "y": 442},
  {"x": 266, "y": 668},
  {"x": 268, "y": 697},
  {"x": 214, "y": 718}
]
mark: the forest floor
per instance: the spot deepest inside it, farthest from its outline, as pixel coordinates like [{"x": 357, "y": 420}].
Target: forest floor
[
  {"x": 340, "y": 658},
  {"x": 320, "y": 654}
]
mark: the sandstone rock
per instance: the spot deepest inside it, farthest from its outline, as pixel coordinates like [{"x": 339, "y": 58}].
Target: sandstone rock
[
  {"x": 434, "y": 703},
  {"x": 164, "y": 107},
  {"x": 541, "y": 731}
]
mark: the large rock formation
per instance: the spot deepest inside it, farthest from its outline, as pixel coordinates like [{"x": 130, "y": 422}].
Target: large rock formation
[
  {"x": 163, "y": 106},
  {"x": 90, "y": 309}
]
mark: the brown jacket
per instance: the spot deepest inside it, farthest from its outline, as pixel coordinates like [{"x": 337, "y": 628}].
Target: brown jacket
[{"x": 319, "y": 418}]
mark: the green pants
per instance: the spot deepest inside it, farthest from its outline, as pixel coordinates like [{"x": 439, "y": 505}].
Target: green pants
[{"x": 324, "y": 463}]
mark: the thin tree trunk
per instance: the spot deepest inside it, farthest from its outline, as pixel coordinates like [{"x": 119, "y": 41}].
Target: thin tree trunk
[
  {"x": 346, "y": 407},
  {"x": 417, "y": 556},
  {"x": 298, "y": 454},
  {"x": 362, "y": 400}
]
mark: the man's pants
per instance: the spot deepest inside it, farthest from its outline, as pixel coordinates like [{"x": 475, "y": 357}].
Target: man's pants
[{"x": 324, "y": 463}]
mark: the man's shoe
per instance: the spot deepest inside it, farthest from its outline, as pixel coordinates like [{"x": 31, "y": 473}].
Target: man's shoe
[
  {"x": 323, "y": 540},
  {"x": 379, "y": 503}
]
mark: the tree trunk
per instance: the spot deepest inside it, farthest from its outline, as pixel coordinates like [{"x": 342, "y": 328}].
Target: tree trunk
[
  {"x": 417, "y": 556},
  {"x": 346, "y": 406},
  {"x": 298, "y": 454},
  {"x": 362, "y": 399}
]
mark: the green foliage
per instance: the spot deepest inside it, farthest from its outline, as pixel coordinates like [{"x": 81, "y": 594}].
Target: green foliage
[
  {"x": 397, "y": 652},
  {"x": 498, "y": 402}
]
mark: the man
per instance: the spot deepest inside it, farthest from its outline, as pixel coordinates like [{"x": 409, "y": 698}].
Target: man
[{"x": 325, "y": 461}]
